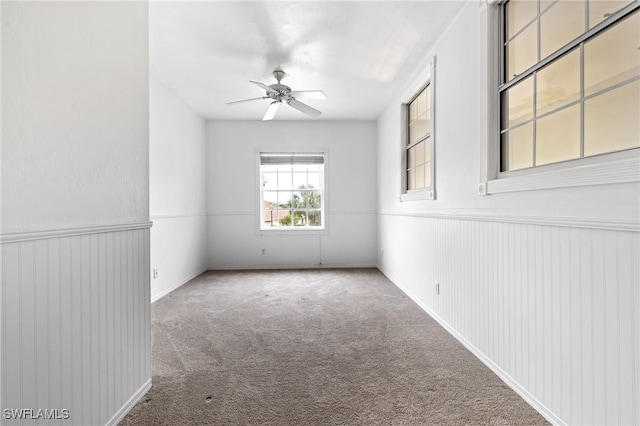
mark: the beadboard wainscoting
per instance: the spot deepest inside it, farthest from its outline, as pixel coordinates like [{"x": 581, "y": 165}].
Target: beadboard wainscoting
[
  {"x": 178, "y": 251},
  {"x": 76, "y": 322},
  {"x": 554, "y": 309}
]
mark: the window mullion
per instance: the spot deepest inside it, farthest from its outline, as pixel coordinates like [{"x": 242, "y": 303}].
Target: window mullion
[
  {"x": 582, "y": 98},
  {"x": 549, "y": 6},
  {"x": 534, "y": 125},
  {"x": 538, "y": 37},
  {"x": 520, "y": 31},
  {"x": 535, "y": 115},
  {"x": 612, "y": 87},
  {"x": 568, "y": 47},
  {"x": 424, "y": 138},
  {"x": 586, "y": 15},
  {"x": 576, "y": 128},
  {"x": 502, "y": 57},
  {"x": 586, "y": 28}
]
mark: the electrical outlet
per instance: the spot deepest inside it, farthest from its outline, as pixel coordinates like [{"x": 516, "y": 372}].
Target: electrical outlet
[
  {"x": 438, "y": 288},
  {"x": 155, "y": 273},
  {"x": 382, "y": 254},
  {"x": 264, "y": 251}
]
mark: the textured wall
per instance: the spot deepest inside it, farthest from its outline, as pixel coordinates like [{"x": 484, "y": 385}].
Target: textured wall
[
  {"x": 543, "y": 285},
  {"x": 177, "y": 190},
  {"x": 74, "y": 114},
  {"x": 233, "y": 198}
]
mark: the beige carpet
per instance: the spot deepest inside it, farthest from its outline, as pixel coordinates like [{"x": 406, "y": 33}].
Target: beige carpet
[{"x": 312, "y": 347}]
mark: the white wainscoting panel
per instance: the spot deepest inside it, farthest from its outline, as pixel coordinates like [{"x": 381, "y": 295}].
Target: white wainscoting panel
[
  {"x": 234, "y": 242},
  {"x": 554, "y": 310},
  {"x": 178, "y": 251},
  {"x": 76, "y": 322}
]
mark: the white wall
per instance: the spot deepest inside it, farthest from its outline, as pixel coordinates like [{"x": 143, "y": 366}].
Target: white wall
[
  {"x": 177, "y": 190},
  {"x": 75, "y": 216},
  {"x": 544, "y": 286},
  {"x": 232, "y": 197},
  {"x": 74, "y": 116}
]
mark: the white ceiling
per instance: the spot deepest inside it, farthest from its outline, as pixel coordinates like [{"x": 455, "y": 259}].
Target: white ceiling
[{"x": 207, "y": 51}]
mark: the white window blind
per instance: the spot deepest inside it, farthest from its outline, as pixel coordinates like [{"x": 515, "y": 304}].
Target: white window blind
[{"x": 291, "y": 158}]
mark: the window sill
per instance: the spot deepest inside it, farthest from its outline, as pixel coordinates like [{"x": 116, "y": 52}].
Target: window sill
[
  {"x": 293, "y": 231},
  {"x": 609, "y": 172},
  {"x": 417, "y": 195}
]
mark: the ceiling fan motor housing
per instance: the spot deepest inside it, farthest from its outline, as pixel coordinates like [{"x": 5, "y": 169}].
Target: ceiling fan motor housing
[{"x": 282, "y": 92}]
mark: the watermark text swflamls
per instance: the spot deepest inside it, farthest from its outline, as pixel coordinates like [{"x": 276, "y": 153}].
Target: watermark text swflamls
[{"x": 35, "y": 414}]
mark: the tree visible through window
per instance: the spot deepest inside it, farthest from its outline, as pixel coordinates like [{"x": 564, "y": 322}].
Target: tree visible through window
[{"x": 292, "y": 190}]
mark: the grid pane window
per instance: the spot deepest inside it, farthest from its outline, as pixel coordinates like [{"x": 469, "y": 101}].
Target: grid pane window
[
  {"x": 612, "y": 120},
  {"x": 601, "y": 10},
  {"x": 517, "y": 147},
  {"x": 521, "y": 14},
  {"x": 569, "y": 90},
  {"x": 562, "y": 22},
  {"x": 609, "y": 57},
  {"x": 292, "y": 192},
  {"x": 418, "y": 165},
  {"x": 522, "y": 50},
  {"x": 558, "y": 84}
]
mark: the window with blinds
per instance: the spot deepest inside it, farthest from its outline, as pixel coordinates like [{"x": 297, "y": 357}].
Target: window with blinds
[{"x": 292, "y": 190}]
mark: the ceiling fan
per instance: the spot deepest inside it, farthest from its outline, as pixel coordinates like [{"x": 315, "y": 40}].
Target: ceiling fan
[{"x": 280, "y": 93}]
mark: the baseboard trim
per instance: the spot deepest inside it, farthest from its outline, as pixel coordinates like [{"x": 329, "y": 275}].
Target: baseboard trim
[
  {"x": 135, "y": 398},
  {"x": 176, "y": 286},
  {"x": 530, "y": 399}
]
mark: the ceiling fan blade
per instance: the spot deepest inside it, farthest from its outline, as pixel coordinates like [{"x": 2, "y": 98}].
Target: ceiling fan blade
[
  {"x": 304, "y": 108},
  {"x": 309, "y": 94},
  {"x": 246, "y": 100},
  {"x": 264, "y": 86},
  {"x": 271, "y": 111}
]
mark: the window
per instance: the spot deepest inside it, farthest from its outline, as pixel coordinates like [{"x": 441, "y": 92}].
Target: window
[
  {"x": 418, "y": 142},
  {"x": 570, "y": 86},
  {"x": 292, "y": 191}
]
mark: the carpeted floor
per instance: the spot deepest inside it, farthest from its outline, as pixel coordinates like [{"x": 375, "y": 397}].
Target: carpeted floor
[{"x": 312, "y": 347}]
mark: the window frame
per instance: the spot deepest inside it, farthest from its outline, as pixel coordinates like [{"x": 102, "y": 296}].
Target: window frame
[
  {"x": 607, "y": 168},
  {"x": 426, "y": 193},
  {"x": 299, "y": 230}
]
